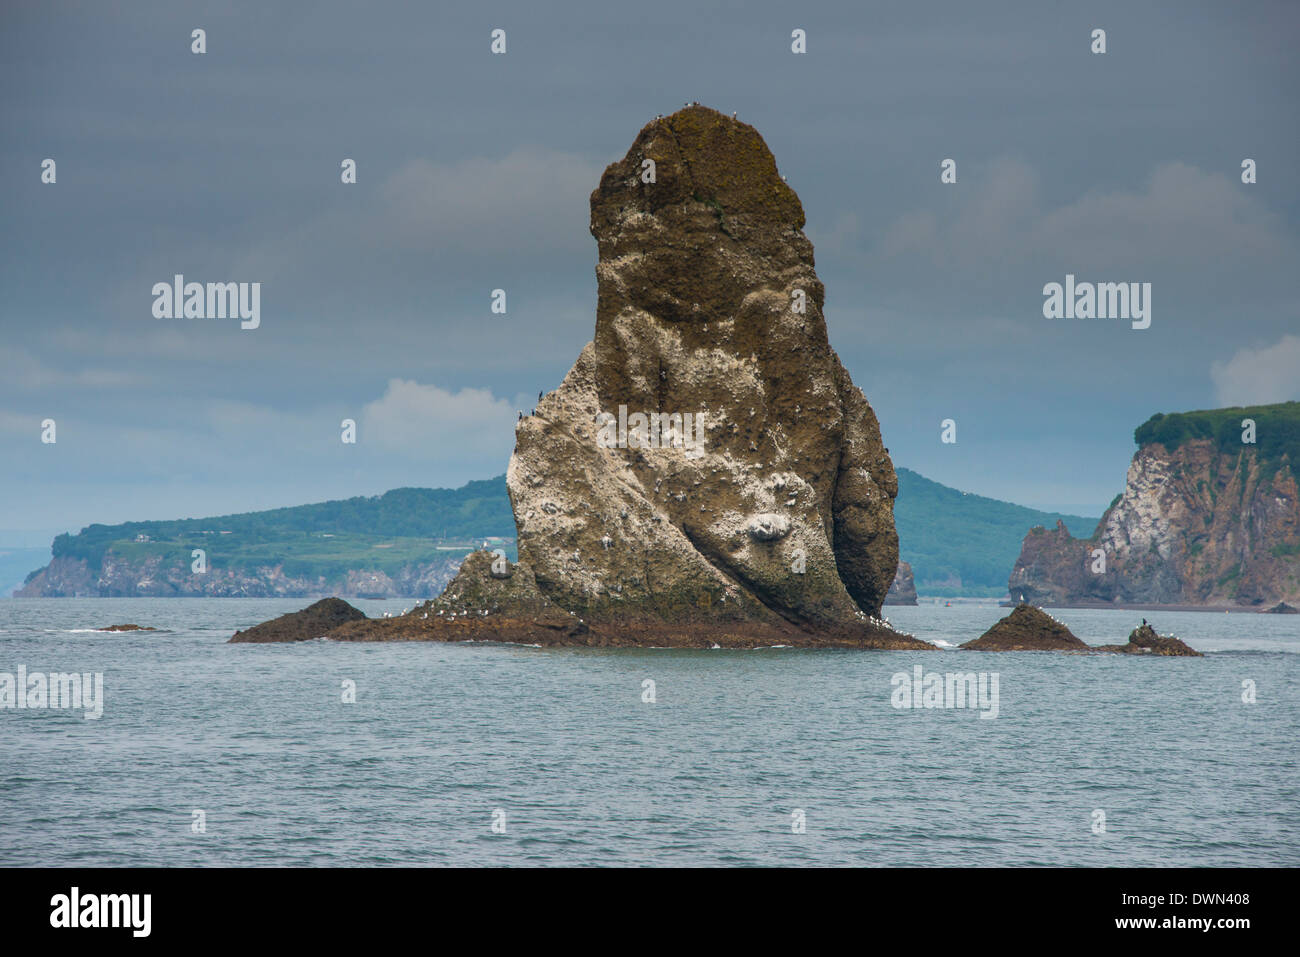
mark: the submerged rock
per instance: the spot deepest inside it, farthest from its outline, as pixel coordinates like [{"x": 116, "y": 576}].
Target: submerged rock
[
  {"x": 1027, "y": 629},
  {"x": 314, "y": 621},
  {"x": 1144, "y": 641},
  {"x": 127, "y": 628}
]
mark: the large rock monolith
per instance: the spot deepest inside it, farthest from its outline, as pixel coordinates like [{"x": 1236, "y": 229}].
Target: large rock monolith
[{"x": 707, "y": 457}]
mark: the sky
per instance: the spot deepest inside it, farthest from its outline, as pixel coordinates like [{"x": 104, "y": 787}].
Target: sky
[{"x": 474, "y": 172}]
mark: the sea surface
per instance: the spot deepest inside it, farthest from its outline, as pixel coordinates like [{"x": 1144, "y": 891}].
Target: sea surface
[{"x": 559, "y": 745}]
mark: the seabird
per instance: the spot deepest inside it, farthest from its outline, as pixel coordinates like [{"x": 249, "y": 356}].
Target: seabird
[
  {"x": 539, "y": 397},
  {"x": 733, "y": 114},
  {"x": 521, "y": 415}
]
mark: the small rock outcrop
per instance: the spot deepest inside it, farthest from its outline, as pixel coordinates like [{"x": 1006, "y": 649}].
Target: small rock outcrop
[
  {"x": 1027, "y": 629},
  {"x": 1282, "y": 608},
  {"x": 707, "y": 459},
  {"x": 488, "y": 603},
  {"x": 903, "y": 590},
  {"x": 127, "y": 628},
  {"x": 1144, "y": 641},
  {"x": 315, "y": 621}
]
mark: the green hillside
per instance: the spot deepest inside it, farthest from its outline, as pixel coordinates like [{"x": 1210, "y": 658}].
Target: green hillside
[
  {"x": 1277, "y": 430},
  {"x": 947, "y": 535},
  {"x": 383, "y": 532}
]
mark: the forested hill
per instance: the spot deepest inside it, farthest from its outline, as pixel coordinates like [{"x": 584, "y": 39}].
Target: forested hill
[
  {"x": 957, "y": 543},
  {"x": 477, "y": 510},
  {"x": 950, "y": 536},
  {"x": 1276, "y": 428}
]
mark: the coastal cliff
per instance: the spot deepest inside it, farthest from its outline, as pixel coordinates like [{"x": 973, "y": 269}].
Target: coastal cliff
[
  {"x": 1205, "y": 518},
  {"x": 406, "y": 543},
  {"x": 162, "y": 576}
]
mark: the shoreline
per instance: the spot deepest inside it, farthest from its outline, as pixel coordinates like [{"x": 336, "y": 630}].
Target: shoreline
[{"x": 1108, "y": 606}]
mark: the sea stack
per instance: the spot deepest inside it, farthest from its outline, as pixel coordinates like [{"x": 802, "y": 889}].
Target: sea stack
[
  {"x": 1027, "y": 629},
  {"x": 707, "y": 473},
  {"x": 903, "y": 590},
  {"x": 708, "y": 457}
]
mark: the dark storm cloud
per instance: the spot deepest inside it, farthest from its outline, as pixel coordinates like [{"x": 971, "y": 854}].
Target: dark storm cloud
[{"x": 474, "y": 172}]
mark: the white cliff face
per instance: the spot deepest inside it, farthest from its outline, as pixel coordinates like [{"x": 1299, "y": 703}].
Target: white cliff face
[
  {"x": 1200, "y": 524},
  {"x": 1146, "y": 517}
]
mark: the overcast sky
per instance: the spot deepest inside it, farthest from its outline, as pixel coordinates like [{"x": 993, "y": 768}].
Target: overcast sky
[{"x": 474, "y": 171}]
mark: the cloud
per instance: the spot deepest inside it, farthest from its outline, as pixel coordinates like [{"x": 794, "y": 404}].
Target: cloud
[
  {"x": 1259, "y": 376},
  {"x": 530, "y": 204},
  {"x": 1001, "y": 231},
  {"x": 425, "y": 421},
  {"x": 22, "y": 370},
  {"x": 1183, "y": 215},
  {"x": 531, "y": 199}
]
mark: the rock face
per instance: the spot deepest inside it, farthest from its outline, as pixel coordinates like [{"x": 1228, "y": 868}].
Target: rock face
[
  {"x": 903, "y": 590},
  {"x": 1144, "y": 641},
  {"x": 1027, "y": 629},
  {"x": 484, "y": 604},
  {"x": 317, "y": 621},
  {"x": 1204, "y": 519},
  {"x": 153, "y": 577},
  {"x": 707, "y": 459}
]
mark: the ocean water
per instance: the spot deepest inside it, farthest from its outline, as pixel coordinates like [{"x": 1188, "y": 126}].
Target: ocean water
[{"x": 442, "y": 737}]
